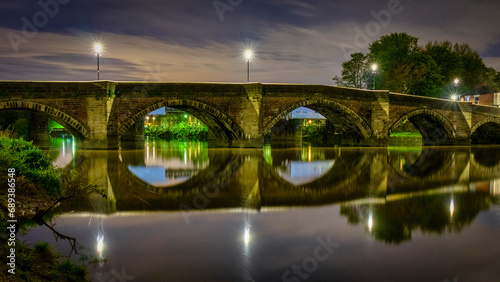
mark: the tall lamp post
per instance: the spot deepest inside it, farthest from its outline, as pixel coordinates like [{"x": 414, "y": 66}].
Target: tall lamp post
[
  {"x": 456, "y": 81},
  {"x": 97, "y": 49},
  {"x": 374, "y": 71},
  {"x": 248, "y": 57}
]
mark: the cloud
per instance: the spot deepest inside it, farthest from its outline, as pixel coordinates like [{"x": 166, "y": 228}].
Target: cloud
[{"x": 296, "y": 42}]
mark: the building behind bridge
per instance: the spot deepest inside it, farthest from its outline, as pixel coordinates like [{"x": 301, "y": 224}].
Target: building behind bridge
[{"x": 482, "y": 96}]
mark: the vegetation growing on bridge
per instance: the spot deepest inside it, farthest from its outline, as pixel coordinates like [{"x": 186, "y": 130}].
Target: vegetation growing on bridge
[{"x": 406, "y": 67}]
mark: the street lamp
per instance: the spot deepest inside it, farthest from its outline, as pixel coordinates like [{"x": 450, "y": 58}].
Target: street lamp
[
  {"x": 248, "y": 57},
  {"x": 455, "y": 97},
  {"x": 374, "y": 71},
  {"x": 97, "y": 49}
]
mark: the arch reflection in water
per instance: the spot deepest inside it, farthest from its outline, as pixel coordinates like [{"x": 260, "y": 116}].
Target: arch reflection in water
[
  {"x": 168, "y": 163},
  {"x": 300, "y": 167}
]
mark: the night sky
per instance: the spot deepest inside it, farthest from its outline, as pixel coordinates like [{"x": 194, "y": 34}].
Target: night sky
[{"x": 203, "y": 40}]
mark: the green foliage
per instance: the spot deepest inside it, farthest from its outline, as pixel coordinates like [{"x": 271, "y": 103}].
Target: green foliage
[
  {"x": 30, "y": 162},
  {"x": 44, "y": 250},
  {"x": 473, "y": 69},
  {"x": 448, "y": 61},
  {"x": 17, "y": 121},
  {"x": 53, "y": 124},
  {"x": 68, "y": 268},
  {"x": 391, "y": 50},
  {"x": 177, "y": 126},
  {"x": 354, "y": 71},
  {"x": 22, "y": 127},
  {"x": 407, "y": 134},
  {"x": 112, "y": 94},
  {"x": 405, "y": 67}
]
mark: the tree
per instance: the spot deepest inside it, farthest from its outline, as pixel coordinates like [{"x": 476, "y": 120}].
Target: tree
[
  {"x": 354, "y": 71},
  {"x": 492, "y": 79},
  {"x": 474, "y": 71},
  {"x": 395, "y": 55},
  {"x": 405, "y": 67},
  {"x": 450, "y": 66},
  {"x": 427, "y": 80}
]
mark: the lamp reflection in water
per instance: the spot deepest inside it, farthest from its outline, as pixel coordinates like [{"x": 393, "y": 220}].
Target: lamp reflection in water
[
  {"x": 100, "y": 244},
  {"x": 246, "y": 237},
  {"x": 370, "y": 222},
  {"x": 100, "y": 239},
  {"x": 247, "y": 257},
  {"x": 452, "y": 207}
]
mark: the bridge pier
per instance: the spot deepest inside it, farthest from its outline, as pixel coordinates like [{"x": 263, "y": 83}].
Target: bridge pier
[
  {"x": 134, "y": 138},
  {"x": 247, "y": 143},
  {"x": 40, "y": 129},
  {"x": 374, "y": 141}
]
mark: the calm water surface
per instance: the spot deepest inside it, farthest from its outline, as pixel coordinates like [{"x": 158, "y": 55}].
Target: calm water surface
[{"x": 178, "y": 211}]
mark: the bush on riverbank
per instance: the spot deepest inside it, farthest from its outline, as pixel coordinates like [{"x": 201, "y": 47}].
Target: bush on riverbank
[{"x": 29, "y": 162}]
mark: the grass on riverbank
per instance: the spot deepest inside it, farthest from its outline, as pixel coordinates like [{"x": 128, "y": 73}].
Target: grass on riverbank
[{"x": 406, "y": 134}]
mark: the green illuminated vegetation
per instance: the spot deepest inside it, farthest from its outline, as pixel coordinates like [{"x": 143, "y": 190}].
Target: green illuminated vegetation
[
  {"x": 53, "y": 124},
  {"x": 176, "y": 126}
]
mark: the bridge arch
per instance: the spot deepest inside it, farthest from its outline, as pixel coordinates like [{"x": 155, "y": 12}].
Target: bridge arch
[
  {"x": 433, "y": 126},
  {"x": 75, "y": 127},
  {"x": 487, "y": 131},
  {"x": 219, "y": 123},
  {"x": 348, "y": 120}
]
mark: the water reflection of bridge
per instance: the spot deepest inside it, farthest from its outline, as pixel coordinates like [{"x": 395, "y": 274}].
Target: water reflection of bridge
[{"x": 251, "y": 179}]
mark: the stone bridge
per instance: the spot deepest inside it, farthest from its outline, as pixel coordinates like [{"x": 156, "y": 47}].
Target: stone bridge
[{"x": 101, "y": 113}]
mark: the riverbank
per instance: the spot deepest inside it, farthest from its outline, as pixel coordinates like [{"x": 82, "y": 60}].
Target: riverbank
[{"x": 34, "y": 188}]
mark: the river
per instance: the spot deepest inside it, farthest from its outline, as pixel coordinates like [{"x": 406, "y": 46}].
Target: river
[{"x": 180, "y": 211}]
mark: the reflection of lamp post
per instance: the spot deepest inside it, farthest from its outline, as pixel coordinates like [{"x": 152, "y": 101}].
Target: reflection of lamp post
[
  {"x": 370, "y": 222},
  {"x": 97, "y": 49},
  {"x": 374, "y": 71},
  {"x": 452, "y": 207},
  {"x": 248, "y": 56}
]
